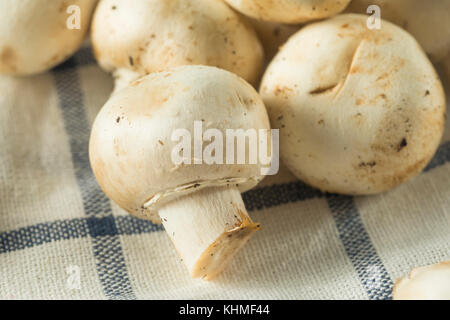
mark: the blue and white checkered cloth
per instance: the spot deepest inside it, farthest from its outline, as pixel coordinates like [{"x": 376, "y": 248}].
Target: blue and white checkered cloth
[{"x": 56, "y": 223}]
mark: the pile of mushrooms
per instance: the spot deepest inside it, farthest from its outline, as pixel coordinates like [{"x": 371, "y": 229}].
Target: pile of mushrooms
[{"x": 360, "y": 111}]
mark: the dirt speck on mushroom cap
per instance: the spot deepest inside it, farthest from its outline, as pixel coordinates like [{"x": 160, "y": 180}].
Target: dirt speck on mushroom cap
[
  {"x": 127, "y": 156},
  {"x": 357, "y": 98}
]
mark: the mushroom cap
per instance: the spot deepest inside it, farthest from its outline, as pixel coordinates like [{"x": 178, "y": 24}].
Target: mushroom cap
[
  {"x": 153, "y": 35},
  {"x": 360, "y": 111},
  {"x": 131, "y": 140},
  {"x": 425, "y": 283},
  {"x": 428, "y": 21},
  {"x": 289, "y": 11},
  {"x": 34, "y": 36}
]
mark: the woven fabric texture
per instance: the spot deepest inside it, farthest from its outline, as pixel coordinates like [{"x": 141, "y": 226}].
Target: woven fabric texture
[{"x": 55, "y": 220}]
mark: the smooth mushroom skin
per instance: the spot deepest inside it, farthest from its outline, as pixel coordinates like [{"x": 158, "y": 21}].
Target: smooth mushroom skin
[
  {"x": 200, "y": 205},
  {"x": 289, "y": 11},
  {"x": 428, "y": 21},
  {"x": 133, "y": 38},
  {"x": 34, "y": 36},
  {"x": 130, "y": 144},
  {"x": 359, "y": 111},
  {"x": 425, "y": 283}
]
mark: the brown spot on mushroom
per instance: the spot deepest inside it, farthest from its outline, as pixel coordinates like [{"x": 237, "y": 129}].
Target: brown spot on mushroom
[
  {"x": 355, "y": 69},
  {"x": 370, "y": 164},
  {"x": 282, "y": 90},
  {"x": 402, "y": 144},
  {"x": 383, "y": 76},
  {"x": 8, "y": 58},
  {"x": 160, "y": 142}
]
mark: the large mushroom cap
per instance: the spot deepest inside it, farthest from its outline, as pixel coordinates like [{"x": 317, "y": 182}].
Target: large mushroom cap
[
  {"x": 147, "y": 36},
  {"x": 425, "y": 283},
  {"x": 360, "y": 111},
  {"x": 34, "y": 36},
  {"x": 289, "y": 11},
  {"x": 428, "y": 21},
  {"x": 131, "y": 140}
]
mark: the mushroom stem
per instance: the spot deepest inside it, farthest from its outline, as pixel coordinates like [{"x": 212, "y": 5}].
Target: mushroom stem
[{"x": 208, "y": 227}]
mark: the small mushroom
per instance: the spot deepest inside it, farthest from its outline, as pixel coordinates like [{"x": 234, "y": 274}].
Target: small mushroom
[
  {"x": 428, "y": 21},
  {"x": 132, "y": 38},
  {"x": 360, "y": 111},
  {"x": 425, "y": 283},
  {"x": 289, "y": 11},
  {"x": 198, "y": 202},
  {"x": 36, "y": 35}
]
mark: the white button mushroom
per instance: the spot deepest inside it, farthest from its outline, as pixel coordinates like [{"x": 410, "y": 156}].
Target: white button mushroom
[
  {"x": 289, "y": 11},
  {"x": 360, "y": 111},
  {"x": 428, "y": 21},
  {"x": 132, "y": 144},
  {"x": 425, "y": 283},
  {"x": 36, "y": 35},
  {"x": 132, "y": 38}
]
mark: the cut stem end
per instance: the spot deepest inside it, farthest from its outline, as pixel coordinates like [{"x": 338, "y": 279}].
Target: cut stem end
[{"x": 208, "y": 227}]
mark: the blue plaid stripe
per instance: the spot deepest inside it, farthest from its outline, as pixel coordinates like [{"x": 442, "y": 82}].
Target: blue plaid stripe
[
  {"x": 272, "y": 196},
  {"x": 106, "y": 244},
  {"x": 363, "y": 255},
  {"x": 38, "y": 234},
  {"x": 43, "y": 233},
  {"x": 129, "y": 225},
  {"x": 104, "y": 229}
]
